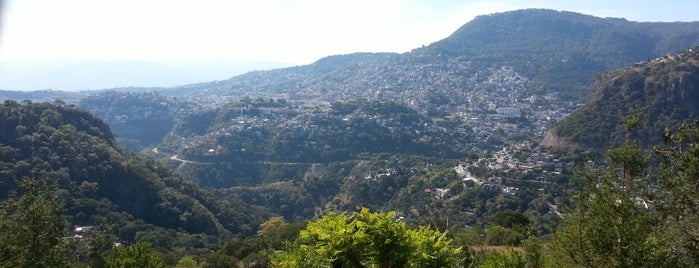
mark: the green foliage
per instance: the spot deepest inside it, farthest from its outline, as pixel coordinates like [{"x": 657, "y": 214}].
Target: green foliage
[
  {"x": 297, "y": 256},
  {"x": 612, "y": 224},
  {"x": 253, "y": 251},
  {"x": 133, "y": 256},
  {"x": 501, "y": 236},
  {"x": 33, "y": 227},
  {"x": 138, "y": 119},
  {"x": 500, "y": 259},
  {"x": 677, "y": 200},
  {"x": 368, "y": 239},
  {"x": 187, "y": 262},
  {"x": 652, "y": 95},
  {"x": 531, "y": 255},
  {"x": 511, "y": 219},
  {"x": 219, "y": 260},
  {"x": 434, "y": 249},
  {"x": 100, "y": 184}
]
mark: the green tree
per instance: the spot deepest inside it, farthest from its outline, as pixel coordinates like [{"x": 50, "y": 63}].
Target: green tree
[
  {"x": 677, "y": 201},
  {"x": 508, "y": 228},
  {"x": 187, "y": 262},
  {"x": 634, "y": 214},
  {"x": 100, "y": 241},
  {"x": 272, "y": 226},
  {"x": 219, "y": 260},
  {"x": 509, "y": 258},
  {"x": 612, "y": 223},
  {"x": 500, "y": 236},
  {"x": 365, "y": 239},
  {"x": 33, "y": 227},
  {"x": 133, "y": 256}
]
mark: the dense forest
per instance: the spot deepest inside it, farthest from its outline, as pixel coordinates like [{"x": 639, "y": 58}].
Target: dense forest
[{"x": 99, "y": 184}]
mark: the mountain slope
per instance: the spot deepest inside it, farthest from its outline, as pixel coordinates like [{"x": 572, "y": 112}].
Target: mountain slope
[
  {"x": 608, "y": 41},
  {"x": 227, "y": 146},
  {"x": 40, "y": 140},
  {"x": 563, "y": 49},
  {"x": 554, "y": 50},
  {"x": 139, "y": 119},
  {"x": 664, "y": 90}
]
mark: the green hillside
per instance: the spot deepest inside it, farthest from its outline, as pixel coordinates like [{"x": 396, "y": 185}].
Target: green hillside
[
  {"x": 665, "y": 91},
  {"x": 563, "y": 50},
  {"x": 102, "y": 184},
  {"x": 138, "y": 119}
]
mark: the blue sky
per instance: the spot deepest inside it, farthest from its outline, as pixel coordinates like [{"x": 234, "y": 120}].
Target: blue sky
[{"x": 289, "y": 31}]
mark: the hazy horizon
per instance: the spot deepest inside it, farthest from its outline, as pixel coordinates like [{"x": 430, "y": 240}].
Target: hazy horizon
[
  {"x": 179, "y": 34},
  {"x": 78, "y": 75}
]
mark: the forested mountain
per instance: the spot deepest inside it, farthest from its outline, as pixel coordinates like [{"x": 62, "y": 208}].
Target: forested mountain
[
  {"x": 563, "y": 50},
  {"x": 100, "y": 183},
  {"x": 560, "y": 51},
  {"x": 140, "y": 119},
  {"x": 664, "y": 91}
]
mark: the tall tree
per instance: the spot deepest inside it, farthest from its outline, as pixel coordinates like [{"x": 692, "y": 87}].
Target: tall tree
[
  {"x": 678, "y": 202},
  {"x": 33, "y": 227},
  {"x": 611, "y": 224}
]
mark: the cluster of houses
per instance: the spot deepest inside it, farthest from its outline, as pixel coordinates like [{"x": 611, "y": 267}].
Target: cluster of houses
[
  {"x": 523, "y": 158},
  {"x": 307, "y": 123},
  {"x": 375, "y": 175}
]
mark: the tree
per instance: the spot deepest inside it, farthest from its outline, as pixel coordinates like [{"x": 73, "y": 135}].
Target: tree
[
  {"x": 33, "y": 227},
  {"x": 187, "y": 262},
  {"x": 364, "y": 239},
  {"x": 133, "y": 256},
  {"x": 639, "y": 211},
  {"x": 508, "y": 228},
  {"x": 611, "y": 224},
  {"x": 677, "y": 201},
  {"x": 272, "y": 226}
]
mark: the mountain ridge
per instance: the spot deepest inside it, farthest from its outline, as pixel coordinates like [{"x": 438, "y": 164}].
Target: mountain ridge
[
  {"x": 589, "y": 45},
  {"x": 556, "y": 50},
  {"x": 665, "y": 91}
]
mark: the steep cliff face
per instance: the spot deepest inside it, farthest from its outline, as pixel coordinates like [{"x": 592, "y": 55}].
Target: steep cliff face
[
  {"x": 551, "y": 140},
  {"x": 665, "y": 91}
]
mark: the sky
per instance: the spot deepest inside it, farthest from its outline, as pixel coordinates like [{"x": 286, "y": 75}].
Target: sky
[
  {"x": 288, "y": 31},
  {"x": 95, "y": 44}
]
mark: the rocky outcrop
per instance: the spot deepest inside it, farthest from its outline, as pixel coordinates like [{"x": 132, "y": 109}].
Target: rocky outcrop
[
  {"x": 551, "y": 140},
  {"x": 662, "y": 92}
]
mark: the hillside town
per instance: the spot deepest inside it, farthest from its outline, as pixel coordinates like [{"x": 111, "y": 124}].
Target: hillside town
[{"x": 496, "y": 105}]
